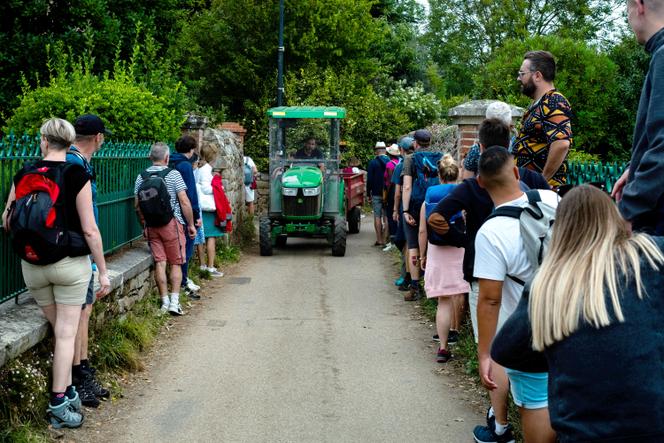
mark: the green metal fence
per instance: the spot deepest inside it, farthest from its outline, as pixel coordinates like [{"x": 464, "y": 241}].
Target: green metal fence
[
  {"x": 604, "y": 173},
  {"x": 117, "y": 165}
]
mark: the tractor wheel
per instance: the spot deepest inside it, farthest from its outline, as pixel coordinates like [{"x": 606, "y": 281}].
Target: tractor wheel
[
  {"x": 339, "y": 238},
  {"x": 265, "y": 236},
  {"x": 354, "y": 220},
  {"x": 281, "y": 241}
]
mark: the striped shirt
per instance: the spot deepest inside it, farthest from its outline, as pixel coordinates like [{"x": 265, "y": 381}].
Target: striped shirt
[{"x": 174, "y": 184}]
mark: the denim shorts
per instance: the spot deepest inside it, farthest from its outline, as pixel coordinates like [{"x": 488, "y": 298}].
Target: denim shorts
[
  {"x": 378, "y": 208},
  {"x": 529, "y": 390},
  {"x": 90, "y": 296}
]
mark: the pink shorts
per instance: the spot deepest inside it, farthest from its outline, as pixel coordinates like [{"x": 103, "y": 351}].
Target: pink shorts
[{"x": 167, "y": 243}]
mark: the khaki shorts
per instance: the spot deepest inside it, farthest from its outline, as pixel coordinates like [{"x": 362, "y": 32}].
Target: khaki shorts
[
  {"x": 64, "y": 282},
  {"x": 167, "y": 243}
]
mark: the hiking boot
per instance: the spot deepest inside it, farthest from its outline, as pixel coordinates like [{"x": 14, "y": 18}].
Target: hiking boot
[
  {"x": 75, "y": 402},
  {"x": 484, "y": 434},
  {"x": 93, "y": 385},
  {"x": 86, "y": 394},
  {"x": 443, "y": 355},
  {"x": 63, "y": 416},
  {"x": 414, "y": 294},
  {"x": 175, "y": 309},
  {"x": 405, "y": 286}
]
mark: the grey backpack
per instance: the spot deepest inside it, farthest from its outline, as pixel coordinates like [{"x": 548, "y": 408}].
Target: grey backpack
[{"x": 536, "y": 222}]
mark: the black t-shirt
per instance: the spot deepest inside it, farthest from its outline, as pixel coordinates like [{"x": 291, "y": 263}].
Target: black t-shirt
[
  {"x": 476, "y": 201},
  {"x": 301, "y": 154},
  {"x": 74, "y": 180}
]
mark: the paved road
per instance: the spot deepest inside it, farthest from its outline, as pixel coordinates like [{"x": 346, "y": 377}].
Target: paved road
[{"x": 300, "y": 347}]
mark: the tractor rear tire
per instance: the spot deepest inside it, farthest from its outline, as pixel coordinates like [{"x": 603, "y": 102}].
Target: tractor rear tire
[
  {"x": 265, "y": 236},
  {"x": 339, "y": 238},
  {"x": 281, "y": 241},
  {"x": 354, "y": 220}
]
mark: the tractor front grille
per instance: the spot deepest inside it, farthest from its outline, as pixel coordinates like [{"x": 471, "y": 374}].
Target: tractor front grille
[{"x": 301, "y": 206}]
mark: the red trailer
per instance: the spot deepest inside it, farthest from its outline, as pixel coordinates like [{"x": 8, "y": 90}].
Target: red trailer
[{"x": 355, "y": 188}]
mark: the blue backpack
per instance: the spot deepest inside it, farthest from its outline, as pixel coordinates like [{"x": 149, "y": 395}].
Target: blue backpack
[
  {"x": 248, "y": 173},
  {"x": 426, "y": 175},
  {"x": 456, "y": 236}
]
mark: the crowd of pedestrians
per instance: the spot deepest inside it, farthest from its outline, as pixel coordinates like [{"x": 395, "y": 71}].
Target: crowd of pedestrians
[
  {"x": 52, "y": 215},
  {"x": 562, "y": 285}
]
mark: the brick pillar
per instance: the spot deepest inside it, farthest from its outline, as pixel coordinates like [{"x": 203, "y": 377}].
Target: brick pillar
[
  {"x": 194, "y": 126},
  {"x": 236, "y": 129},
  {"x": 468, "y": 117}
]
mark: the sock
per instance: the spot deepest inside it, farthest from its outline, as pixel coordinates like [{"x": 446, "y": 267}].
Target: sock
[
  {"x": 165, "y": 300},
  {"x": 490, "y": 412},
  {"x": 500, "y": 429},
  {"x": 70, "y": 392},
  {"x": 57, "y": 398},
  {"x": 175, "y": 298},
  {"x": 77, "y": 372}
]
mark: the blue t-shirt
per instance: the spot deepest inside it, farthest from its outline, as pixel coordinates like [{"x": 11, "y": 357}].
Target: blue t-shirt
[{"x": 74, "y": 156}]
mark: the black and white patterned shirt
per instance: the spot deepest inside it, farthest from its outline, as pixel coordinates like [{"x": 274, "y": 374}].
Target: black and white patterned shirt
[{"x": 174, "y": 184}]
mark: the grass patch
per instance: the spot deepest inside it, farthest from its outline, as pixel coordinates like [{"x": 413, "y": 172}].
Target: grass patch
[
  {"x": 117, "y": 345},
  {"x": 247, "y": 230},
  {"x": 227, "y": 254}
]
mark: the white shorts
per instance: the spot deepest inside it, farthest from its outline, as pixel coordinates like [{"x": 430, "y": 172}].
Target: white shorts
[{"x": 249, "y": 195}]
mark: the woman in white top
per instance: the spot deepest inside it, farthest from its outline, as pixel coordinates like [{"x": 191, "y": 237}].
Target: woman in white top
[{"x": 209, "y": 154}]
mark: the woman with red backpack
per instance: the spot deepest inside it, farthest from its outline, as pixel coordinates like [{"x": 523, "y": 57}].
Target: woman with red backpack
[{"x": 50, "y": 217}]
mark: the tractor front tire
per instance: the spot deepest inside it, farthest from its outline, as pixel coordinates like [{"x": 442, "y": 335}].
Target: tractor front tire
[
  {"x": 265, "y": 236},
  {"x": 339, "y": 238},
  {"x": 354, "y": 220}
]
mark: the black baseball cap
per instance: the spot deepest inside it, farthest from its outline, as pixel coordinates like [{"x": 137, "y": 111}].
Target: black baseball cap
[
  {"x": 422, "y": 136},
  {"x": 90, "y": 124}
]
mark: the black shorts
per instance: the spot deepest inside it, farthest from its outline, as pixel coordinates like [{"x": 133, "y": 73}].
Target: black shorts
[{"x": 412, "y": 235}]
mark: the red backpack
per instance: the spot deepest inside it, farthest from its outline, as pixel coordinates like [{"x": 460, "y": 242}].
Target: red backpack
[{"x": 38, "y": 219}]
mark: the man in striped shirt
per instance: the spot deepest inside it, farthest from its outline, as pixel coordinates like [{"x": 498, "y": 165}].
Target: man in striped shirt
[{"x": 167, "y": 243}]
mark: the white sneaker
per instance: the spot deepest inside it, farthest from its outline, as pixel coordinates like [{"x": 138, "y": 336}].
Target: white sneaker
[
  {"x": 163, "y": 309},
  {"x": 175, "y": 309},
  {"x": 214, "y": 273},
  {"x": 203, "y": 268},
  {"x": 388, "y": 247},
  {"x": 192, "y": 286}
]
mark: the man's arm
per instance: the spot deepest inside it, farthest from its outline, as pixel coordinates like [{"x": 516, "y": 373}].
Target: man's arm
[
  {"x": 488, "y": 309},
  {"x": 397, "y": 202},
  {"x": 642, "y": 193},
  {"x": 422, "y": 237},
  {"x": 187, "y": 213},
  {"x": 557, "y": 152}
]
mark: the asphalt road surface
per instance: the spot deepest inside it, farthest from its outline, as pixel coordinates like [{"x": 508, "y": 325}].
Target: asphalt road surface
[{"x": 298, "y": 347}]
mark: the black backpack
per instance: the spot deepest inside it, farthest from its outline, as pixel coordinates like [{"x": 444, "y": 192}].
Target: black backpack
[
  {"x": 38, "y": 217},
  {"x": 154, "y": 199}
]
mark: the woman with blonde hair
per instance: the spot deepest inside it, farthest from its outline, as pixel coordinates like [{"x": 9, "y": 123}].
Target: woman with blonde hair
[
  {"x": 210, "y": 154},
  {"x": 443, "y": 279},
  {"x": 596, "y": 307},
  {"x": 57, "y": 275}
]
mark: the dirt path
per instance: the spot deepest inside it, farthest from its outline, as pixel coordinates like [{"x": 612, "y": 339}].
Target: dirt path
[{"x": 300, "y": 347}]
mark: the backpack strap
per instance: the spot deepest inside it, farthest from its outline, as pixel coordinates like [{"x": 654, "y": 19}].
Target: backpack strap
[
  {"x": 506, "y": 211},
  {"x": 163, "y": 173}
]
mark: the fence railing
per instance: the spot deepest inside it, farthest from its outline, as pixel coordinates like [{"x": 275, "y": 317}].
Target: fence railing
[
  {"x": 117, "y": 165},
  {"x": 595, "y": 172}
]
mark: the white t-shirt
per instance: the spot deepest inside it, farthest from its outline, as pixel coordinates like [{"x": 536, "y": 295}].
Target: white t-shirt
[{"x": 499, "y": 252}]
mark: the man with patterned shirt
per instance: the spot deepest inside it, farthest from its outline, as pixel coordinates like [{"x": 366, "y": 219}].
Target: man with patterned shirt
[{"x": 546, "y": 131}]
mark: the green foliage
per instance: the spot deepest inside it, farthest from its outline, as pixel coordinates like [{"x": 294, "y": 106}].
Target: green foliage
[
  {"x": 247, "y": 230},
  {"x": 585, "y": 76},
  {"x": 118, "y": 344},
  {"x": 226, "y": 253},
  {"x": 131, "y": 109},
  {"x": 582, "y": 157}
]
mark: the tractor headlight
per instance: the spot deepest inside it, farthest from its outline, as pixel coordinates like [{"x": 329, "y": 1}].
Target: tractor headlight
[
  {"x": 311, "y": 192},
  {"x": 289, "y": 192}
]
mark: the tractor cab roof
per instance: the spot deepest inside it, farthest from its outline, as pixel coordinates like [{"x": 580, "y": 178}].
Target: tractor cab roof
[{"x": 307, "y": 112}]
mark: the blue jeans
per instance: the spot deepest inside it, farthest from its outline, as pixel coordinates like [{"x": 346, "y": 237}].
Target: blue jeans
[{"x": 189, "y": 251}]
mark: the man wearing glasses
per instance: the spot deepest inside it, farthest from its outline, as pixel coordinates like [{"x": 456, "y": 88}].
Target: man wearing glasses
[{"x": 546, "y": 131}]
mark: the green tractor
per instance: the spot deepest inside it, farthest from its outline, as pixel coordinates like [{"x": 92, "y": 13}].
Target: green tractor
[{"x": 306, "y": 188}]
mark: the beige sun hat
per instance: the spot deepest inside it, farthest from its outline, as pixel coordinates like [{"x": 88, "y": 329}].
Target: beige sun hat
[{"x": 393, "y": 149}]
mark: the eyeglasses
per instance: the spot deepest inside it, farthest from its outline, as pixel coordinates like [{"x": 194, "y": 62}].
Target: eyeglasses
[{"x": 523, "y": 74}]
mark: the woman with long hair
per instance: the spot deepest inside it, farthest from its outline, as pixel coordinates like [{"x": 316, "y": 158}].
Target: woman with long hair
[
  {"x": 596, "y": 308},
  {"x": 443, "y": 279}
]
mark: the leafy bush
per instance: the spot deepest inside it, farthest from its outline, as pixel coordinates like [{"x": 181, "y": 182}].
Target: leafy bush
[
  {"x": 132, "y": 111},
  {"x": 585, "y": 76}
]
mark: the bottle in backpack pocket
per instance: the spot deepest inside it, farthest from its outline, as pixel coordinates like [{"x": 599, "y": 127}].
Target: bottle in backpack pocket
[{"x": 154, "y": 199}]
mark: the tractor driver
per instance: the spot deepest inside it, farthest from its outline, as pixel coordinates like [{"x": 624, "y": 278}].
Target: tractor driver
[{"x": 309, "y": 151}]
